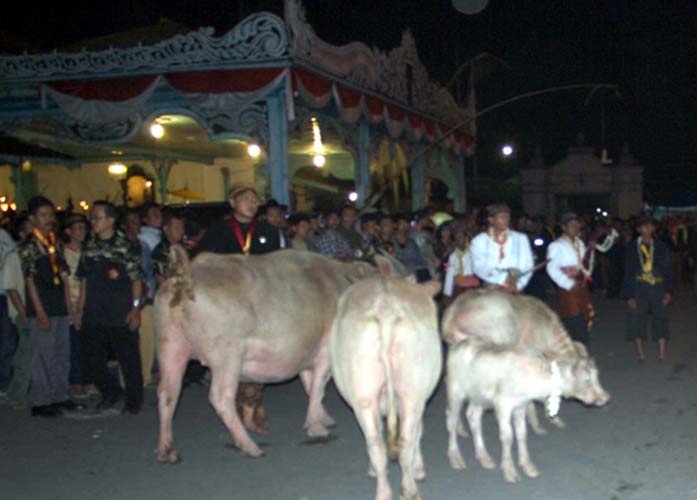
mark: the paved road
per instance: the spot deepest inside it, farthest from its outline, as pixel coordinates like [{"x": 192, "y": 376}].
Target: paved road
[{"x": 642, "y": 446}]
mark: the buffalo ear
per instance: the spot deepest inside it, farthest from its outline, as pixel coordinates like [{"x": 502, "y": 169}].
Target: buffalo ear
[
  {"x": 432, "y": 287},
  {"x": 581, "y": 350},
  {"x": 385, "y": 266},
  {"x": 391, "y": 265}
]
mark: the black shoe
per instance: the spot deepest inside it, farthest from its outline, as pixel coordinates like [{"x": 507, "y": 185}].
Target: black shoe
[
  {"x": 68, "y": 405},
  {"x": 45, "y": 411},
  {"x": 107, "y": 403},
  {"x": 131, "y": 409}
]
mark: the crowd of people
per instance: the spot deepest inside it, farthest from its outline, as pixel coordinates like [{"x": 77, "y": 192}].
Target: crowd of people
[{"x": 76, "y": 289}]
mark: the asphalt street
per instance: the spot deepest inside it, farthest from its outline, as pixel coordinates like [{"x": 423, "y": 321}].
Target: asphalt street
[{"x": 641, "y": 446}]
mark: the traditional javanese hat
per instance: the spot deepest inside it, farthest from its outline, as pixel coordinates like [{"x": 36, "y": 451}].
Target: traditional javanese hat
[
  {"x": 645, "y": 220},
  {"x": 497, "y": 208},
  {"x": 297, "y": 218},
  {"x": 240, "y": 187},
  {"x": 568, "y": 217},
  {"x": 74, "y": 218},
  {"x": 460, "y": 229}
]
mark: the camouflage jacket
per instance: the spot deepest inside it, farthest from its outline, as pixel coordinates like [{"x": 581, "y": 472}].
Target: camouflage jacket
[
  {"x": 33, "y": 254},
  {"x": 109, "y": 268},
  {"x": 36, "y": 264},
  {"x": 117, "y": 254}
]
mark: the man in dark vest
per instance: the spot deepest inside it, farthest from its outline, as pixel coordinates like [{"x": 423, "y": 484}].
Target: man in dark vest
[
  {"x": 648, "y": 288},
  {"x": 241, "y": 232}
]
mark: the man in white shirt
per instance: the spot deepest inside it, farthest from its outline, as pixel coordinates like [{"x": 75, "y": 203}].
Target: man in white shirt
[
  {"x": 8, "y": 337},
  {"x": 15, "y": 288},
  {"x": 502, "y": 258},
  {"x": 150, "y": 233},
  {"x": 567, "y": 268}
]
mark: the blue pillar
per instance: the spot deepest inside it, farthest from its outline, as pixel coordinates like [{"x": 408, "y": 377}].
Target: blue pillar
[
  {"x": 418, "y": 179},
  {"x": 362, "y": 179},
  {"x": 460, "y": 202},
  {"x": 278, "y": 148},
  {"x": 163, "y": 166},
  {"x": 18, "y": 181}
]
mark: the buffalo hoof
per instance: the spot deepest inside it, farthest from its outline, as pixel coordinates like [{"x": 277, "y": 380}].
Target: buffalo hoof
[
  {"x": 557, "y": 421},
  {"x": 530, "y": 470},
  {"x": 327, "y": 421},
  {"x": 538, "y": 429},
  {"x": 168, "y": 456},
  {"x": 510, "y": 474},
  {"x": 317, "y": 430},
  {"x": 485, "y": 461},
  {"x": 384, "y": 496},
  {"x": 252, "y": 451},
  {"x": 412, "y": 495},
  {"x": 456, "y": 461}
]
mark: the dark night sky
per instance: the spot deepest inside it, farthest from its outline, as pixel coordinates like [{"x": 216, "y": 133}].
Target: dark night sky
[{"x": 649, "y": 48}]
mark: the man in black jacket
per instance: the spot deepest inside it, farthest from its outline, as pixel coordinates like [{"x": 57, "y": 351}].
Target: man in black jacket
[
  {"x": 111, "y": 297},
  {"x": 241, "y": 232},
  {"x": 648, "y": 287}
]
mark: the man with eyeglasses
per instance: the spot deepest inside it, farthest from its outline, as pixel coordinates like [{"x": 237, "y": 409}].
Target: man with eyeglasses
[{"x": 109, "y": 307}]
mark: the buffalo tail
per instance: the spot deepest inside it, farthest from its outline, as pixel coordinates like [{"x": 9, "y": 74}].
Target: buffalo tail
[{"x": 180, "y": 267}]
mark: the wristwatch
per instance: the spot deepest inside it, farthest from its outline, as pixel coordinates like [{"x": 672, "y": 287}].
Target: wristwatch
[{"x": 137, "y": 302}]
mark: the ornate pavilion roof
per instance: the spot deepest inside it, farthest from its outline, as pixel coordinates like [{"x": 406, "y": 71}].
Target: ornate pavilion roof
[{"x": 390, "y": 87}]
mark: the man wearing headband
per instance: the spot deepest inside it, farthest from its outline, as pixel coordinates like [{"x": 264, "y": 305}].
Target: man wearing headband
[
  {"x": 568, "y": 269},
  {"x": 502, "y": 258}
]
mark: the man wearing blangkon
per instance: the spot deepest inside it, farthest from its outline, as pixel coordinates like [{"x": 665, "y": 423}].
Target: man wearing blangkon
[
  {"x": 501, "y": 257},
  {"x": 242, "y": 233}
]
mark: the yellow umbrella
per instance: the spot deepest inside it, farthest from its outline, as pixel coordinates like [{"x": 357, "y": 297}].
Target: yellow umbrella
[{"x": 187, "y": 194}]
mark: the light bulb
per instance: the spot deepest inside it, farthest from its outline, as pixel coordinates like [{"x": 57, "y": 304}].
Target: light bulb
[
  {"x": 253, "y": 150},
  {"x": 157, "y": 130},
  {"x": 319, "y": 160}
]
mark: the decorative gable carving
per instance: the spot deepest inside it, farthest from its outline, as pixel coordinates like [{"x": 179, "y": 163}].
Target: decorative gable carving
[{"x": 397, "y": 74}]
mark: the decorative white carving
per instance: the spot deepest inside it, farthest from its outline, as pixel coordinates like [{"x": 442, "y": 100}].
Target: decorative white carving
[
  {"x": 117, "y": 132},
  {"x": 385, "y": 73},
  {"x": 257, "y": 38},
  {"x": 248, "y": 122},
  {"x": 354, "y": 61}
]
